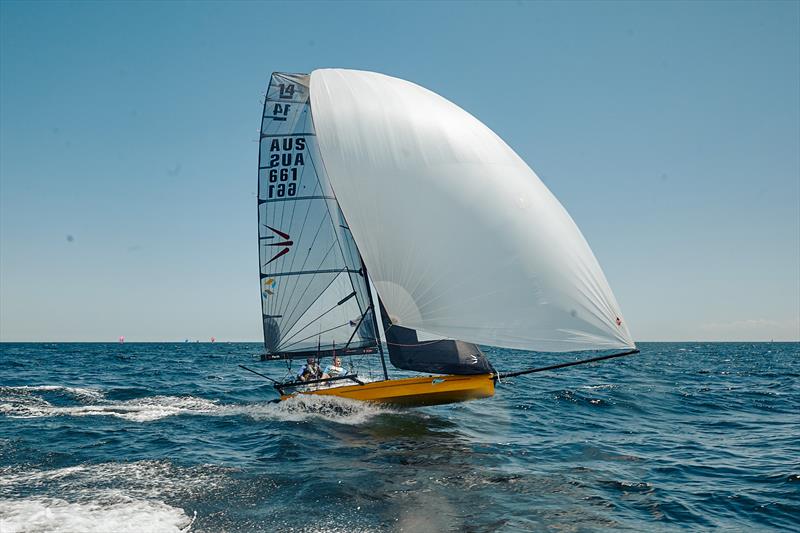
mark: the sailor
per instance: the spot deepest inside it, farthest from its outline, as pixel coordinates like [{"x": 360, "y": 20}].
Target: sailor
[
  {"x": 310, "y": 370},
  {"x": 335, "y": 369}
]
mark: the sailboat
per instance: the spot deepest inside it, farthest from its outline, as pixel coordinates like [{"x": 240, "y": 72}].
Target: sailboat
[{"x": 380, "y": 198}]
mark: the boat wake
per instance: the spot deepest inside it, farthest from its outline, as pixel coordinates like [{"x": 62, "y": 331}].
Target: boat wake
[
  {"x": 22, "y": 402},
  {"x": 32, "y": 402},
  {"x": 78, "y": 393},
  {"x": 121, "y": 515},
  {"x": 120, "y": 497},
  {"x": 310, "y": 407}
]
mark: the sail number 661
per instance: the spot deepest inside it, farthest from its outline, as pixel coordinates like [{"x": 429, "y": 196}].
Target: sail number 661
[
  {"x": 283, "y": 174},
  {"x": 282, "y": 189}
]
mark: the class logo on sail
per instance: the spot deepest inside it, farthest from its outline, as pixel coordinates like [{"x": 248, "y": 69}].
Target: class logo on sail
[
  {"x": 270, "y": 285},
  {"x": 286, "y": 243}
]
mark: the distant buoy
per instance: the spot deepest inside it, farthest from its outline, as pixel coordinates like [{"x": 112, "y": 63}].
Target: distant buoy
[{"x": 121, "y": 339}]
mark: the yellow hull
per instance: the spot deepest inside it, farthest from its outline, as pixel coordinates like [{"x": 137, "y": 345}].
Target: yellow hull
[{"x": 428, "y": 390}]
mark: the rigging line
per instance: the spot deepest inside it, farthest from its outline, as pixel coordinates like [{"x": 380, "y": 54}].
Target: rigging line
[
  {"x": 308, "y": 286},
  {"x": 501, "y": 375},
  {"x": 314, "y": 320},
  {"x": 364, "y": 354},
  {"x": 355, "y": 329},
  {"x": 352, "y": 249},
  {"x": 350, "y": 242},
  {"x": 374, "y": 319},
  {"x": 360, "y": 284},
  {"x": 259, "y": 374},
  {"x": 283, "y": 348}
]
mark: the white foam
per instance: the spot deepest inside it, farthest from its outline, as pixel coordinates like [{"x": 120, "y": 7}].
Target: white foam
[
  {"x": 305, "y": 407},
  {"x": 105, "y": 497},
  {"x": 12, "y": 476},
  {"x": 141, "y": 480},
  {"x": 120, "y": 515},
  {"x": 144, "y": 409},
  {"x": 81, "y": 393},
  {"x": 20, "y": 402},
  {"x": 600, "y": 387}
]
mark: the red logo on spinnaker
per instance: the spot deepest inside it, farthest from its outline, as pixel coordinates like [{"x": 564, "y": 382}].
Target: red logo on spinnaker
[{"x": 287, "y": 243}]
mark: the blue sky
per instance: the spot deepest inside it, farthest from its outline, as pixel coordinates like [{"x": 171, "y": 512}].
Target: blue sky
[{"x": 669, "y": 131}]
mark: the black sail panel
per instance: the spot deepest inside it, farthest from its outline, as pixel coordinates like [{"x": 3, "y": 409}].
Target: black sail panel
[{"x": 313, "y": 288}]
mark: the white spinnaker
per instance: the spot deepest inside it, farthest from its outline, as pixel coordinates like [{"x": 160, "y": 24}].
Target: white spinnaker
[{"x": 460, "y": 237}]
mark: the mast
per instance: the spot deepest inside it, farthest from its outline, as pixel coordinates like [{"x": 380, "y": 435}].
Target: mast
[{"x": 375, "y": 321}]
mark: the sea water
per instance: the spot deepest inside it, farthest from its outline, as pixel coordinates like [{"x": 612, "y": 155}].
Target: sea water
[{"x": 175, "y": 437}]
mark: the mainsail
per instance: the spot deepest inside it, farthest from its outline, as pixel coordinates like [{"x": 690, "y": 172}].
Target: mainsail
[
  {"x": 461, "y": 238},
  {"x": 314, "y": 291}
]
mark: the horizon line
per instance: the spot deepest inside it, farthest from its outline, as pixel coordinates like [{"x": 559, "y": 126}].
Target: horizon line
[{"x": 218, "y": 341}]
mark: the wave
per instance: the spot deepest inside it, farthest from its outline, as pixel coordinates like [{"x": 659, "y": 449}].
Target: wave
[
  {"x": 79, "y": 393},
  {"x": 144, "y": 409},
  {"x": 120, "y": 514},
  {"x": 151, "y": 480},
  {"x": 103, "y": 497},
  {"x": 20, "y": 402}
]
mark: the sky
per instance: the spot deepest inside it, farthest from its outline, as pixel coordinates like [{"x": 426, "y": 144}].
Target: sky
[{"x": 669, "y": 131}]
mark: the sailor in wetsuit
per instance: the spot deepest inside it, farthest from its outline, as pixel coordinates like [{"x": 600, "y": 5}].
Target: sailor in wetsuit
[{"x": 310, "y": 370}]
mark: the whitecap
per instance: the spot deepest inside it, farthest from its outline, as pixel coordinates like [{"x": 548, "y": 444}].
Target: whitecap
[
  {"x": 118, "y": 514},
  {"x": 600, "y": 387}
]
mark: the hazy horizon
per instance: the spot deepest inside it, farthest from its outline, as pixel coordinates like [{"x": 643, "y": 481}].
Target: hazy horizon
[{"x": 669, "y": 132}]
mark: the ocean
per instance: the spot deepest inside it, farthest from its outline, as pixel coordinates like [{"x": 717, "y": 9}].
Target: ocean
[{"x": 175, "y": 437}]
